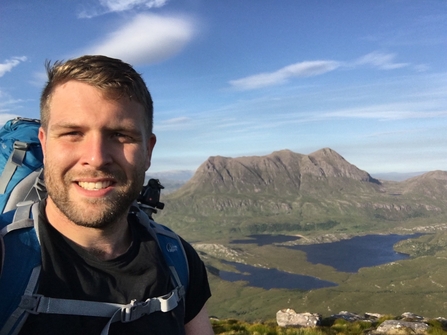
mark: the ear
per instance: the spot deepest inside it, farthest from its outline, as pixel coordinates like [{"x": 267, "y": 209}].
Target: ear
[
  {"x": 150, "y": 144},
  {"x": 43, "y": 140}
]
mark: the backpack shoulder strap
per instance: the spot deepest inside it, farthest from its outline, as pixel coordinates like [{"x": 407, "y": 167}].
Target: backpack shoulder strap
[
  {"x": 171, "y": 246},
  {"x": 15, "y": 160},
  {"x": 14, "y": 314},
  {"x": 21, "y": 266}
]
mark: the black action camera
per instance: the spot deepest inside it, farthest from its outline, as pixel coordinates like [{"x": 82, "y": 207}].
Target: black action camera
[{"x": 149, "y": 198}]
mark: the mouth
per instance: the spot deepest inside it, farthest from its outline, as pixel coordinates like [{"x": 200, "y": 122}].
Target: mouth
[{"x": 94, "y": 186}]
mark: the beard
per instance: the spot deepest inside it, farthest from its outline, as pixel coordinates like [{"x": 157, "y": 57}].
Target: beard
[{"x": 94, "y": 212}]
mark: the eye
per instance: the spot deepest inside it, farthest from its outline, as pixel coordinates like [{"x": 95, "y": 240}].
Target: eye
[
  {"x": 71, "y": 134},
  {"x": 124, "y": 138}
]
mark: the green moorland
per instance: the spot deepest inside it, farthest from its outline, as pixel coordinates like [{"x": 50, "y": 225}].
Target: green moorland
[
  {"x": 321, "y": 198},
  {"x": 415, "y": 285}
]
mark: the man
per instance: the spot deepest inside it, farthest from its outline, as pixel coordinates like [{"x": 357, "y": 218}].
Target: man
[{"x": 97, "y": 141}]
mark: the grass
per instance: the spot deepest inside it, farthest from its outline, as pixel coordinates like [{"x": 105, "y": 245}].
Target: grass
[{"x": 414, "y": 285}]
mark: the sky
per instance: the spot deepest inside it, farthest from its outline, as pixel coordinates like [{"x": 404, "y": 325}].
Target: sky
[{"x": 235, "y": 78}]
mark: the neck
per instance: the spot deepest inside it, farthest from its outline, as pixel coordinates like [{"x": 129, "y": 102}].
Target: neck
[{"x": 105, "y": 243}]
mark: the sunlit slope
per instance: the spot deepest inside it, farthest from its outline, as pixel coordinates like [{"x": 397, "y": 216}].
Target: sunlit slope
[{"x": 293, "y": 193}]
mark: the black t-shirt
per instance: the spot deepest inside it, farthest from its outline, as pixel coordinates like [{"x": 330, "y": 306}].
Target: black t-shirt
[{"x": 70, "y": 272}]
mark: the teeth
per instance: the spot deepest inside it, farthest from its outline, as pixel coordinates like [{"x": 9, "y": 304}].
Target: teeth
[{"x": 94, "y": 186}]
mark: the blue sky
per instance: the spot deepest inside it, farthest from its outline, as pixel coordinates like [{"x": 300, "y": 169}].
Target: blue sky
[{"x": 249, "y": 77}]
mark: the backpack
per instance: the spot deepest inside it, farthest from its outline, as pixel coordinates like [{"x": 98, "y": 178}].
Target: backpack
[
  {"x": 20, "y": 248},
  {"x": 21, "y": 163}
]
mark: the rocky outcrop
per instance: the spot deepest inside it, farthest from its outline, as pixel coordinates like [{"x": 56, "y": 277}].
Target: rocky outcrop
[
  {"x": 401, "y": 327},
  {"x": 289, "y": 318},
  {"x": 407, "y": 323}
]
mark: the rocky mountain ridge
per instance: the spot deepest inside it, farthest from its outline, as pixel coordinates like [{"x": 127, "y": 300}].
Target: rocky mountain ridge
[
  {"x": 281, "y": 170},
  {"x": 285, "y": 191}
]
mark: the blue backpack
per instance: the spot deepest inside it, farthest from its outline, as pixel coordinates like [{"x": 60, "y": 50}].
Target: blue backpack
[
  {"x": 21, "y": 163},
  {"x": 20, "y": 259}
]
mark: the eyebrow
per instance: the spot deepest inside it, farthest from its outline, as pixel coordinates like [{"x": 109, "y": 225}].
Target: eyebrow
[
  {"x": 120, "y": 128},
  {"x": 64, "y": 125}
]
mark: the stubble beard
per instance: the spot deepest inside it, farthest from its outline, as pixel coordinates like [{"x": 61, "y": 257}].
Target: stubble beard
[{"x": 94, "y": 212}]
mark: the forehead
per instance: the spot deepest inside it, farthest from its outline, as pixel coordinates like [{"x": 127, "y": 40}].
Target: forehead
[{"x": 76, "y": 101}]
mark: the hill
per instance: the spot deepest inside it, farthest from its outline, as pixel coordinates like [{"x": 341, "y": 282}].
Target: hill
[
  {"x": 291, "y": 192},
  {"x": 321, "y": 197}
]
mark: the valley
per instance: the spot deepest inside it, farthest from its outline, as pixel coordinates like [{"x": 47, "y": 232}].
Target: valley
[{"x": 320, "y": 198}]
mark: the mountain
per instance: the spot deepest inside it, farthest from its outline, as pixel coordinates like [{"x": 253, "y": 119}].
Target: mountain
[
  {"x": 292, "y": 192},
  {"x": 397, "y": 176},
  {"x": 278, "y": 172},
  {"x": 171, "y": 180},
  {"x": 321, "y": 197},
  {"x": 173, "y": 175}
]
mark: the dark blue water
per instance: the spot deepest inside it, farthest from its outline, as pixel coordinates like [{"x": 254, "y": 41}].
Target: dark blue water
[
  {"x": 272, "y": 278},
  {"x": 346, "y": 255},
  {"x": 357, "y": 252}
]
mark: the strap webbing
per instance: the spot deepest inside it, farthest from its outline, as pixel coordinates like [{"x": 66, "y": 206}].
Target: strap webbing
[
  {"x": 15, "y": 159},
  {"x": 19, "y": 316},
  {"x": 34, "y": 303}
]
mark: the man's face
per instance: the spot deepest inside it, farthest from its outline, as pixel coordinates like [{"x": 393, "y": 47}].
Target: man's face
[{"x": 96, "y": 152}]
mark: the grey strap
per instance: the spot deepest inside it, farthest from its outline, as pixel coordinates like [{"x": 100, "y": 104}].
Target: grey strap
[
  {"x": 38, "y": 191},
  {"x": 21, "y": 218},
  {"x": 35, "y": 304},
  {"x": 134, "y": 310},
  {"x": 19, "y": 316},
  {"x": 15, "y": 159}
]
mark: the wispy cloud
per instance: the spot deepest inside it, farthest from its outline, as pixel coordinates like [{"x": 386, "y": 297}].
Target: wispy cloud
[
  {"x": 114, "y": 6},
  {"x": 147, "y": 39},
  {"x": 303, "y": 69},
  {"x": 9, "y": 64},
  {"x": 173, "y": 124},
  {"x": 7, "y": 107},
  {"x": 4, "y": 117},
  {"x": 382, "y": 61},
  {"x": 384, "y": 112}
]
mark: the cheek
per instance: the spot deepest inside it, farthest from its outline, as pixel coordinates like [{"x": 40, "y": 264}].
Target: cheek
[
  {"x": 59, "y": 158},
  {"x": 139, "y": 160}
]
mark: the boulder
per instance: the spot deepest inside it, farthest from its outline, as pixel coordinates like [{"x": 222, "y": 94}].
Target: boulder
[
  {"x": 348, "y": 316},
  {"x": 402, "y": 327},
  {"x": 407, "y": 316},
  {"x": 373, "y": 316},
  {"x": 289, "y": 318}
]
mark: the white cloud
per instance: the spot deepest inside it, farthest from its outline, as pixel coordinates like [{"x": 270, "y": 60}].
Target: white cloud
[
  {"x": 117, "y": 6},
  {"x": 302, "y": 69},
  {"x": 380, "y": 60},
  {"x": 123, "y": 5},
  {"x": 177, "y": 123},
  {"x": 177, "y": 120},
  {"x": 147, "y": 39},
  {"x": 4, "y": 117},
  {"x": 392, "y": 111},
  {"x": 9, "y": 64}
]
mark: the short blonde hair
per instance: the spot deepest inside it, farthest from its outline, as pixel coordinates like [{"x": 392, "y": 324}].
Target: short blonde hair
[{"x": 114, "y": 77}]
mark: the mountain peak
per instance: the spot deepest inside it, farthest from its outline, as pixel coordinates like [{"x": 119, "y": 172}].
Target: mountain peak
[{"x": 280, "y": 171}]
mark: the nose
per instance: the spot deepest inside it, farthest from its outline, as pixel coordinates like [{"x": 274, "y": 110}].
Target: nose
[{"x": 96, "y": 151}]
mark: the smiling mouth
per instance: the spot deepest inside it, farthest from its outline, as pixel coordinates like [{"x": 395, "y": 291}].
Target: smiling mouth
[{"x": 94, "y": 186}]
